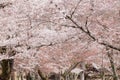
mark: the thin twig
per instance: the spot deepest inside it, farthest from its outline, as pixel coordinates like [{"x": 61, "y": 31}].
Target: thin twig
[{"x": 72, "y": 13}]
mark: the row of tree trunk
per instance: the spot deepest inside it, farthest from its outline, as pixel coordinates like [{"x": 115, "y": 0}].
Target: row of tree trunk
[{"x": 9, "y": 74}]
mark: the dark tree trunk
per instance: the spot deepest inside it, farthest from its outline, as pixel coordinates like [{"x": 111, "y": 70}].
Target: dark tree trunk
[
  {"x": 7, "y": 67},
  {"x": 28, "y": 77},
  {"x": 42, "y": 75},
  {"x": 109, "y": 54}
]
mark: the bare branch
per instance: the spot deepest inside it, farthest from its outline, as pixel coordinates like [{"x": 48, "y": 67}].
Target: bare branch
[
  {"x": 80, "y": 27},
  {"x": 104, "y": 26},
  {"x": 110, "y": 46},
  {"x": 86, "y": 25},
  {"x": 75, "y": 8},
  {"x": 89, "y": 34}
]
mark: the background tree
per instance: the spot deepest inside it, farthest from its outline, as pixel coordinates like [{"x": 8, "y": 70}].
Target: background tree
[{"x": 54, "y": 34}]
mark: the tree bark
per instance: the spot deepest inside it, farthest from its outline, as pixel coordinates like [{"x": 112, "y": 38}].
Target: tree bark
[
  {"x": 82, "y": 74},
  {"x": 70, "y": 69},
  {"x": 109, "y": 54},
  {"x": 42, "y": 76},
  {"x": 7, "y": 66}
]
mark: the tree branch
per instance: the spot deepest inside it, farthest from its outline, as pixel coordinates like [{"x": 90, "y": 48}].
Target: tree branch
[
  {"x": 75, "y": 8},
  {"x": 109, "y": 54},
  {"x": 80, "y": 27},
  {"x": 89, "y": 34},
  {"x": 70, "y": 69},
  {"x": 110, "y": 46}
]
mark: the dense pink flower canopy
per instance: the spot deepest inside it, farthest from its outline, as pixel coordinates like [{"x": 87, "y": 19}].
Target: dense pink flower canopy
[{"x": 39, "y": 31}]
